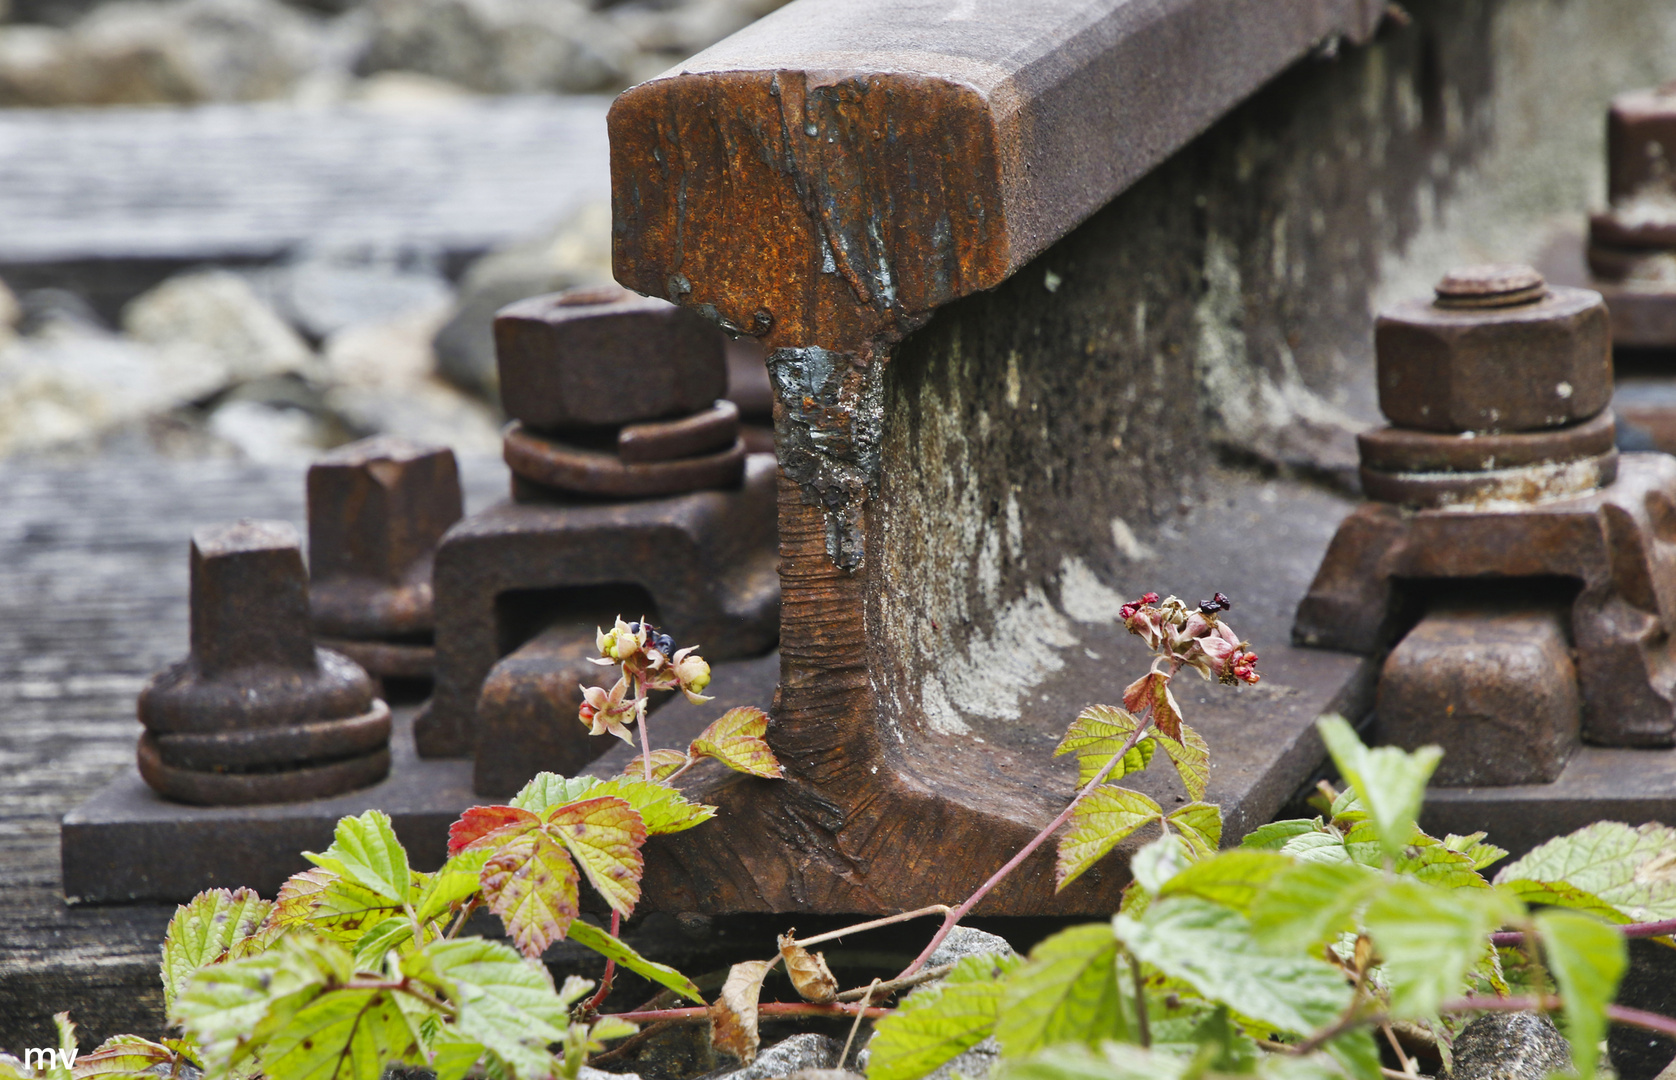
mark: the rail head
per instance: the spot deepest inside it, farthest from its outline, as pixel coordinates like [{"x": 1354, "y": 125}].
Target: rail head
[{"x": 835, "y": 172}]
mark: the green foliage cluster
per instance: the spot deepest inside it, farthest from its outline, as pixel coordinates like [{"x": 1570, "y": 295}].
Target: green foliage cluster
[{"x": 1282, "y": 958}]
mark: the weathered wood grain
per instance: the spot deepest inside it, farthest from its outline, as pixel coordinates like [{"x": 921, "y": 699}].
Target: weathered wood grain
[
  {"x": 254, "y": 181},
  {"x": 93, "y": 593}
]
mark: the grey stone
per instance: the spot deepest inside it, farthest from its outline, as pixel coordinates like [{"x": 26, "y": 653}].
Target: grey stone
[
  {"x": 269, "y": 434},
  {"x": 430, "y": 411},
  {"x": 215, "y": 316},
  {"x": 824, "y": 1074},
  {"x": 963, "y": 941},
  {"x": 578, "y": 252},
  {"x": 600, "y": 1074},
  {"x": 1510, "y": 1046},
  {"x": 499, "y": 46},
  {"x": 322, "y": 293},
  {"x": 42, "y": 311},
  {"x": 974, "y": 1064},
  {"x": 796, "y": 1054},
  {"x": 156, "y": 51}
]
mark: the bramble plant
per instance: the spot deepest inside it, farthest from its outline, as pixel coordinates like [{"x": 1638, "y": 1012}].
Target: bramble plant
[{"x": 1281, "y": 958}]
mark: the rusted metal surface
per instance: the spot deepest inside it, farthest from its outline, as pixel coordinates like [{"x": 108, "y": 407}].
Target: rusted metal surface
[
  {"x": 1603, "y": 523},
  {"x": 564, "y": 467},
  {"x": 376, "y": 509},
  {"x": 1493, "y": 685},
  {"x": 1632, "y": 244},
  {"x": 1615, "y": 542},
  {"x": 589, "y": 358},
  {"x": 256, "y": 712},
  {"x": 1395, "y": 449},
  {"x": 527, "y": 710},
  {"x": 714, "y": 429},
  {"x": 705, "y": 560},
  {"x": 1447, "y": 368}
]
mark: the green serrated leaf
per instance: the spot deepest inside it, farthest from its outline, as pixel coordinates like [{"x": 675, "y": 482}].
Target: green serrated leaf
[
  {"x": 1114, "y": 1061},
  {"x": 1474, "y": 847},
  {"x": 1211, "y": 948},
  {"x": 599, "y": 941},
  {"x": 1309, "y": 904},
  {"x": 1587, "y": 958},
  {"x": 1322, "y": 847},
  {"x": 375, "y": 944},
  {"x": 453, "y": 1055},
  {"x": 1231, "y": 878},
  {"x": 939, "y": 1022},
  {"x": 1564, "y": 895},
  {"x": 1274, "y": 835},
  {"x": 344, "y": 1034},
  {"x": 1157, "y": 862},
  {"x": 331, "y": 905},
  {"x": 456, "y": 882},
  {"x": 230, "y": 1009},
  {"x": 1389, "y": 782},
  {"x": 1066, "y": 992},
  {"x": 1200, "y": 826},
  {"x": 507, "y": 1005},
  {"x": 1100, "y": 821},
  {"x": 213, "y": 926},
  {"x": 661, "y": 807},
  {"x": 1192, "y": 760},
  {"x": 365, "y": 850},
  {"x": 1429, "y": 938},
  {"x": 123, "y": 1057},
  {"x": 1632, "y": 869},
  {"x": 1097, "y": 733},
  {"x": 548, "y": 790}
]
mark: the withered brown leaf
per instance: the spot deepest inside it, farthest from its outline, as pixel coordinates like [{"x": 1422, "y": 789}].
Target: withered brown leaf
[
  {"x": 733, "y": 1015},
  {"x": 808, "y": 971}
]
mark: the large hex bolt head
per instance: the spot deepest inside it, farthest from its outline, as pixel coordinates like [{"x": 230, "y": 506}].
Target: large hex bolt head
[
  {"x": 603, "y": 357},
  {"x": 1641, "y": 142},
  {"x": 1496, "y": 351},
  {"x": 376, "y": 509}
]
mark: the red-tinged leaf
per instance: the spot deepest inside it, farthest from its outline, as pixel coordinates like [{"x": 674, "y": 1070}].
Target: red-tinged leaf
[
  {"x": 531, "y": 884},
  {"x": 1099, "y": 823},
  {"x": 733, "y": 1015},
  {"x": 661, "y": 807},
  {"x": 481, "y": 821},
  {"x": 664, "y": 763},
  {"x": 124, "y": 1056},
  {"x": 1191, "y": 755},
  {"x": 605, "y": 835},
  {"x": 736, "y": 740},
  {"x": 297, "y": 897},
  {"x": 1151, "y": 692}
]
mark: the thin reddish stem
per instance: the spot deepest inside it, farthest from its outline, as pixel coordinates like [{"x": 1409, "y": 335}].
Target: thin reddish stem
[
  {"x": 695, "y": 1014},
  {"x": 645, "y": 739},
  {"x": 952, "y": 919},
  {"x": 610, "y": 969},
  {"x": 1618, "y": 1014},
  {"x": 1513, "y": 938}
]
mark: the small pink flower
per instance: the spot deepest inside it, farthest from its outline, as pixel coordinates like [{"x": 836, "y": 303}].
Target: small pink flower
[{"x": 611, "y": 710}]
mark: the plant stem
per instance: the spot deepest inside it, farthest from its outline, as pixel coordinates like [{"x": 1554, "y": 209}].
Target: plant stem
[
  {"x": 952, "y": 919},
  {"x": 465, "y": 913},
  {"x": 866, "y": 1000},
  {"x": 1391, "y": 1037},
  {"x": 885, "y": 989},
  {"x": 610, "y": 969},
  {"x": 645, "y": 739},
  {"x": 1512, "y": 938},
  {"x": 698, "y": 1013},
  {"x": 933, "y": 909}
]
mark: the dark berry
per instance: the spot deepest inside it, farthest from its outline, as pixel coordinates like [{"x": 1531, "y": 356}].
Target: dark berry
[{"x": 666, "y": 644}]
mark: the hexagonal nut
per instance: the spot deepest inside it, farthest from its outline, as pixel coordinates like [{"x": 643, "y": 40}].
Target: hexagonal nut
[
  {"x": 1521, "y": 368},
  {"x": 1641, "y": 142},
  {"x": 602, "y": 357},
  {"x": 378, "y": 506}
]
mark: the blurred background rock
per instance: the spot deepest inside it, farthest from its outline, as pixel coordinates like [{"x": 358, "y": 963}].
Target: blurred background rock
[{"x": 275, "y": 347}]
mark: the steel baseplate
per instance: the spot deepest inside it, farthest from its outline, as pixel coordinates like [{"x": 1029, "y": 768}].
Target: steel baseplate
[
  {"x": 128, "y": 844},
  {"x": 703, "y": 561},
  {"x": 1617, "y": 548}
]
